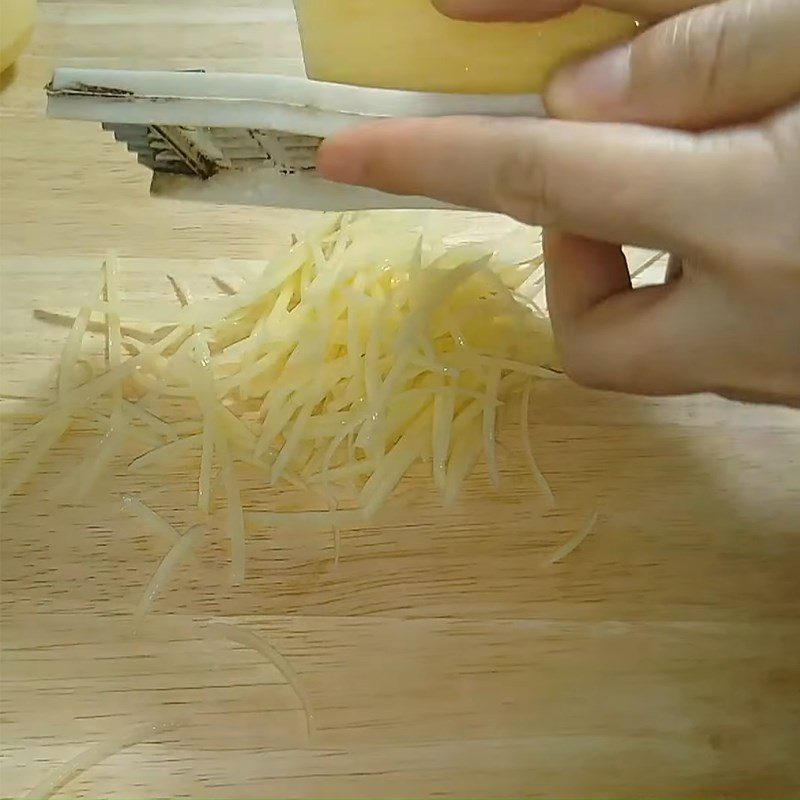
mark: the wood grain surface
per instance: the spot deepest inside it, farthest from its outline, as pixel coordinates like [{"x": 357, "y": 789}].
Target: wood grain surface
[{"x": 444, "y": 656}]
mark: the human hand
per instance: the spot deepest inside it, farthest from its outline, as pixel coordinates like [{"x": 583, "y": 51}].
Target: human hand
[{"x": 686, "y": 139}]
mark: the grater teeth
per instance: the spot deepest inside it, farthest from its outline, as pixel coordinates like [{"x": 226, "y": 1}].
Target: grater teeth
[{"x": 203, "y": 152}]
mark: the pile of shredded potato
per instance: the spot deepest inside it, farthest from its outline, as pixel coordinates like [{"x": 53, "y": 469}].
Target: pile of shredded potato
[{"x": 368, "y": 347}]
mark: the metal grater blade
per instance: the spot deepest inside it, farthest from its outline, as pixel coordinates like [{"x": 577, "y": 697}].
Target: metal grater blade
[
  {"x": 203, "y": 152},
  {"x": 249, "y": 139}
]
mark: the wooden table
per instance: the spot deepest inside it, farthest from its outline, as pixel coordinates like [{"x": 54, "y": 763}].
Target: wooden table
[{"x": 443, "y": 656}]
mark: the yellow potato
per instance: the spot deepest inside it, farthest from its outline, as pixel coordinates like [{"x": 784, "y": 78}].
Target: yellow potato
[
  {"x": 406, "y": 44},
  {"x": 16, "y": 26}
]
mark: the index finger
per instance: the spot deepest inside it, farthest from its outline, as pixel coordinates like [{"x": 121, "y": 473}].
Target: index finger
[
  {"x": 613, "y": 182},
  {"x": 535, "y": 10}
]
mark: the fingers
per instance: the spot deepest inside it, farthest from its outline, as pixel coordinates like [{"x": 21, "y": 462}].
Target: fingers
[
  {"x": 683, "y": 337},
  {"x": 723, "y": 61},
  {"x": 618, "y": 183},
  {"x": 582, "y": 275},
  {"x": 727, "y": 62},
  {"x": 534, "y": 10},
  {"x": 611, "y": 336}
]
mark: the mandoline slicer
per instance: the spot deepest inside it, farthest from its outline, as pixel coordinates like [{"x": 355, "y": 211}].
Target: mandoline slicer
[{"x": 250, "y": 139}]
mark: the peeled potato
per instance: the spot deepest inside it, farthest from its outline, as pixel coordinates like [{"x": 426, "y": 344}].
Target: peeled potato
[
  {"x": 407, "y": 44},
  {"x": 16, "y": 26}
]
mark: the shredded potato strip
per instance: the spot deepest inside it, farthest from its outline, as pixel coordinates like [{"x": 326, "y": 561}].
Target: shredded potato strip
[
  {"x": 29, "y": 464},
  {"x": 370, "y": 347},
  {"x": 167, "y": 454},
  {"x": 467, "y": 448},
  {"x": 577, "y": 540},
  {"x": 154, "y": 521},
  {"x": 527, "y": 444},
  {"x": 247, "y": 638},
  {"x": 83, "y": 481},
  {"x": 64, "y": 320},
  {"x": 398, "y": 461},
  {"x": 161, "y": 429},
  {"x": 193, "y": 375},
  {"x": 490, "y": 424},
  {"x": 114, "y": 334},
  {"x": 179, "y": 552},
  {"x": 236, "y": 528},
  {"x": 444, "y": 410},
  {"x": 72, "y": 347},
  {"x": 95, "y": 755},
  {"x": 202, "y": 381},
  {"x": 70, "y": 404}
]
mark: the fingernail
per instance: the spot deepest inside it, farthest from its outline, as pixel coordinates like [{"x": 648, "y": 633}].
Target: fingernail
[
  {"x": 586, "y": 89},
  {"x": 464, "y": 9},
  {"x": 506, "y": 10}
]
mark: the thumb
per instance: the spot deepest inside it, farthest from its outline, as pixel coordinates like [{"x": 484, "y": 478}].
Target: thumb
[
  {"x": 611, "y": 336},
  {"x": 717, "y": 64}
]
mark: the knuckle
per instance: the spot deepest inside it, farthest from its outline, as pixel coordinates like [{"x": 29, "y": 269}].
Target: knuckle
[
  {"x": 582, "y": 368},
  {"x": 707, "y": 51},
  {"x": 700, "y": 46},
  {"x": 783, "y": 138},
  {"x": 758, "y": 180},
  {"x": 615, "y": 365},
  {"x": 522, "y": 184}
]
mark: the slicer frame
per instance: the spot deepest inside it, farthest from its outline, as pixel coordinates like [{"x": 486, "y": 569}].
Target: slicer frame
[{"x": 250, "y": 139}]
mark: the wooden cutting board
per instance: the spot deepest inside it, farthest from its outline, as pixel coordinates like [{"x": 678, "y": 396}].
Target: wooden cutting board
[{"x": 443, "y": 656}]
